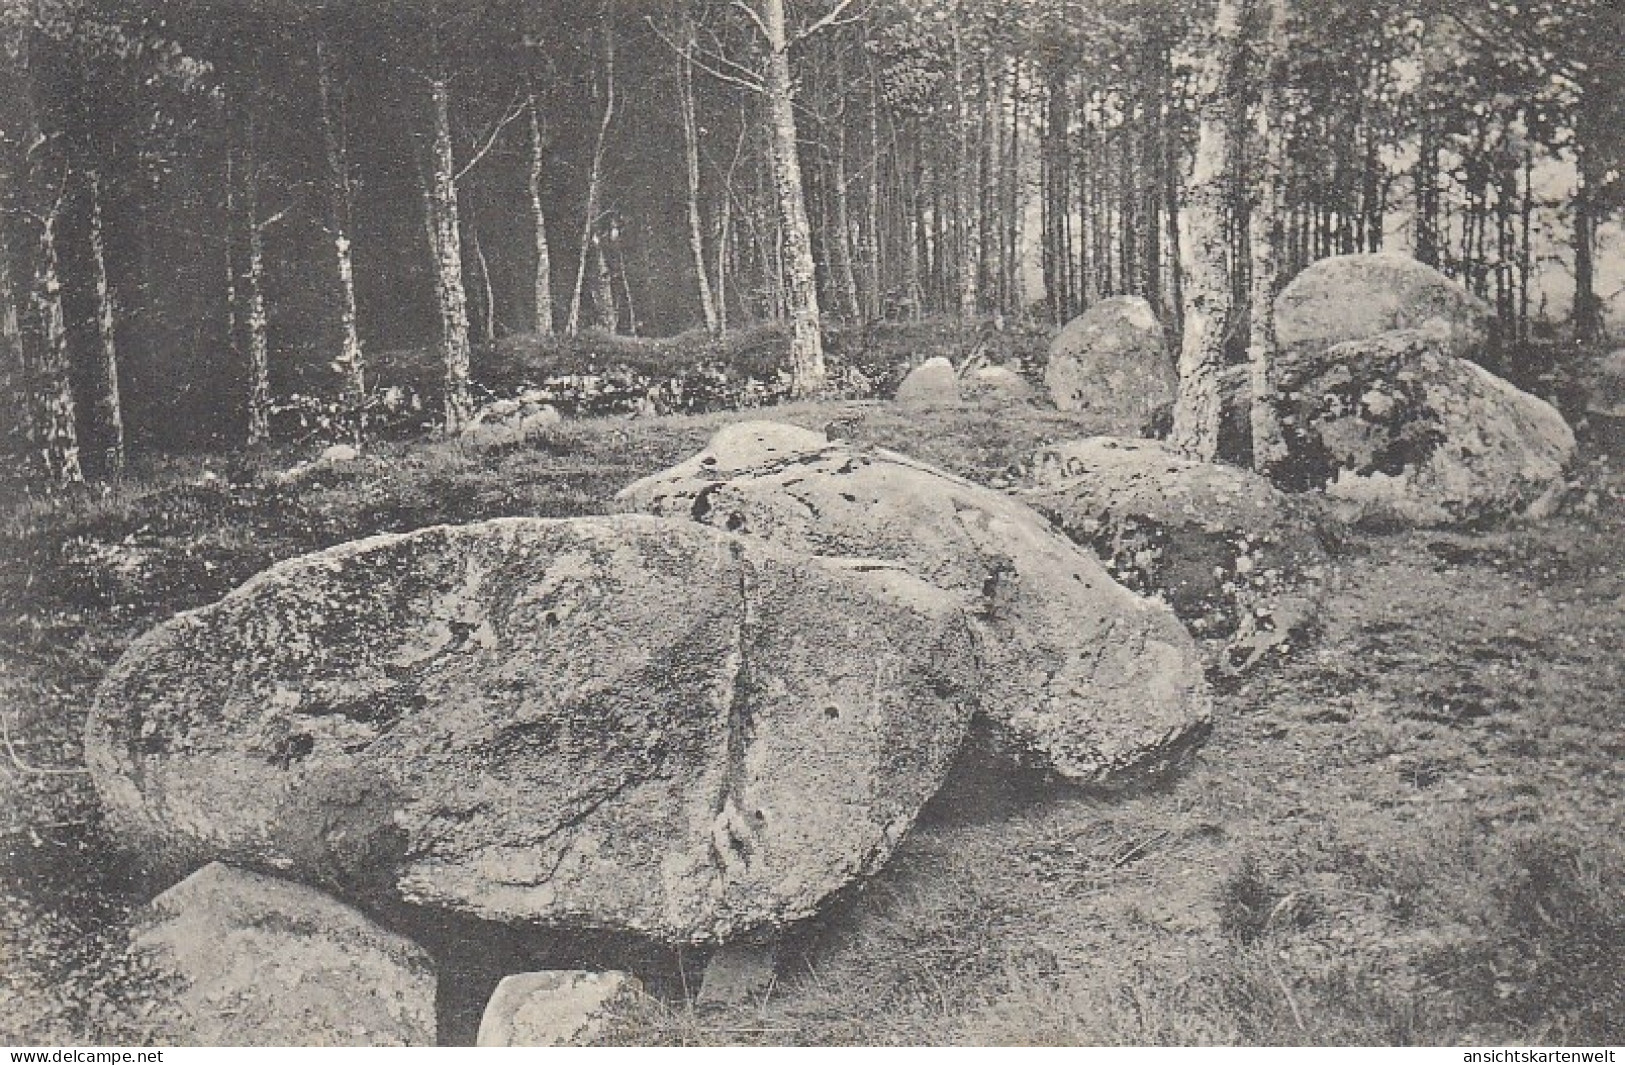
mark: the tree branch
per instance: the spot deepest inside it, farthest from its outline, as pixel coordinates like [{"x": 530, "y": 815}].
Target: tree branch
[
  {"x": 761, "y": 27},
  {"x": 516, "y": 108},
  {"x": 745, "y": 78},
  {"x": 831, "y": 18}
]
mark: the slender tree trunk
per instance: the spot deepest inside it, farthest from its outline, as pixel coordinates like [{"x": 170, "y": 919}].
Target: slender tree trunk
[
  {"x": 488, "y": 303},
  {"x": 1525, "y": 245},
  {"x": 966, "y": 220},
  {"x": 603, "y": 286},
  {"x": 589, "y": 217},
  {"x": 847, "y": 274},
  {"x": 16, "y": 378},
  {"x": 1269, "y": 447},
  {"x": 447, "y": 245},
  {"x": 542, "y": 283},
  {"x": 1588, "y": 324},
  {"x": 106, "y": 333},
  {"x": 874, "y": 272},
  {"x": 256, "y": 319},
  {"x": 1197, "y": 409},
  {"x": 807, "y": 373},
  {"x": 691, "y": 160},
  {"x": 58, "y": 413},
  {"x": 351, "y": 363},
  {"x": 1170, "y": 211}
]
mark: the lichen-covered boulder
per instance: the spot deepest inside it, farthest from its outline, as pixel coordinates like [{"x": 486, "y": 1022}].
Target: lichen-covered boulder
[
  {"x": 1396, "y": 431},
  {"x": 620, "y": 723},
  {"x": 933, "y": 383},
  {"x": 239, "y": 959},
  {"x": 1353, "y": 297},
  {"x": 1241, "y": 562},
  {"x": 1078, "y": 675},
  {"x": 1112, "y": 361}
]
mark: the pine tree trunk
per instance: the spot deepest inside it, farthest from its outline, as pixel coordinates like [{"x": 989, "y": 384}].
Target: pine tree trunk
[
  {"x": 106, "y": 334},
  {"x": 1208, "y": 290},
  {"x": 1588, "y": 324},
  {"x": 447, "y": 246},
  {"x": 691, "y": 160},
  {"x": 350, "y": 363},
  {"x": 807, "y": 372},
  {"x": 542, "y": 284},
  {"x": 1269, "y": 447},
  {"x": 589, "y": 216}
]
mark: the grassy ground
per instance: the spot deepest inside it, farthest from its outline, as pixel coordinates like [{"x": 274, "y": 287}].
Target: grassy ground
[{"x": 1409, "y": 833}]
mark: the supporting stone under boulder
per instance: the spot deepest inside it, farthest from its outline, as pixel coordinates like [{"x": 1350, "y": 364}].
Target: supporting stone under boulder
[
  {"x": 558, "y": 1008},
  {"x": 241, "y": 959},
  {"x": 620, "y": 723},
  {"x": 1113, "y": 361},
  {"x": 1078, "y": 675},
  {"x": 1240, "y": 561}
]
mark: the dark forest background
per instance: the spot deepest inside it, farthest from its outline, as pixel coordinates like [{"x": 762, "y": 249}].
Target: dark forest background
[{"x": 184, "y": 181}]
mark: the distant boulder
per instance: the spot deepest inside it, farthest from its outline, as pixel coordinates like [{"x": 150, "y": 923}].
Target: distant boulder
[
  {"x": 933, "y": 383},
  {"x": 1240, "y": 561},
  {"x": 1112, "y": 361},
  {"x": 617, "y": 723},
  {"x": 998, "y": 384},
  {"x": 1394, "y": 430},
  {"x": 241, "y": 959},
  {"x": 1078, "y": 675},
  {"x": 1355, "y": 297},
  {"x": 1607, "y": 394}
]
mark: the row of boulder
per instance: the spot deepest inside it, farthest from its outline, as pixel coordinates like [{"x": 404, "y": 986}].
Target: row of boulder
[{"x": 696, "y": 719}]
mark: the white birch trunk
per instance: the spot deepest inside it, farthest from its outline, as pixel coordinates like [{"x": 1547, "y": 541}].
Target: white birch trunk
[
  {"x": 448, "y": 253},
  {"x": 1269, "y": 449},
  {"x": 589, "y": 220},
  {"x": 807, "y": 371},
  {"x": 350, "y": 363},
  {"x": 106, "y": 333},
  {"x": 542, "y": 287},
  {"x": 1203, "y": 250},
  {"x": 691, "y": 160}
]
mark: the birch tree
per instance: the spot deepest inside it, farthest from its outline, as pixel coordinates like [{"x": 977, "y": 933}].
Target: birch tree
[{"x": 1204, "y": 253}]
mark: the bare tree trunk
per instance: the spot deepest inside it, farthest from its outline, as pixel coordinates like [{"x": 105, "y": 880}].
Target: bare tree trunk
[
  {"x": 351, "y": 364},
  {"x": 1588, "y": 324},
  {"x": 845, "y": 272},
  {"x": 874, "y": 270},
  {"x": 447, "y": 245},
  {"x": 488, "y": 302},
  {"x": 603, "y": 286},
  {"x": 1208, "y": 297},
  {"x": 14, "y": 370},
  {"x": 58, "y": 414},
  {"x": 542, "y": 285},
  {"x": 589, "y": 220},
  {"x": 807, "y": 373},
  {"x": 967, "y": 226},
  {"x": 259, "y": 349},
  {"x": 106, "y": 334},
  {"x": 691, "y": 160},
  {"x": 1269, "y": 447}
]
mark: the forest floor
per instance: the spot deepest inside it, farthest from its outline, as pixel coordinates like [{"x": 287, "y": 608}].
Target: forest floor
[{"x": 1408, "y": 832}]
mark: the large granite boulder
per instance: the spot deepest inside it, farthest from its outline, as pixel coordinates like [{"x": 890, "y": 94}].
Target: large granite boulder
[
  {"x": 1078, "y": 674},
  {"x": 933, "y": 383},
  {"x": 1241, "y": 562},
  {"x": 1353, "y": 297},
  {"x": 620, "y": 723},
  {"x": 1396, "y": 431},
  {"x": 1112, "y": 361},
  {"x": 239, "y": 959}
]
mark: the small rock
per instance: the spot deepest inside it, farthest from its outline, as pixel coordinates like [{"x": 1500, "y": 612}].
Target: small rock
[
  {"x": 250, "y": 960},
  {"x": 932, "y": 383},
  {"x": 339, "y": 453},
  {"x": 567, "y": 1007},
  {"x": 738, "y": 973}
]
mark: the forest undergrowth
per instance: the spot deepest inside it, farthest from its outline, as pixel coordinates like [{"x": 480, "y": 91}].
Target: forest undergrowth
[{"x": 1407, "y": 831}]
